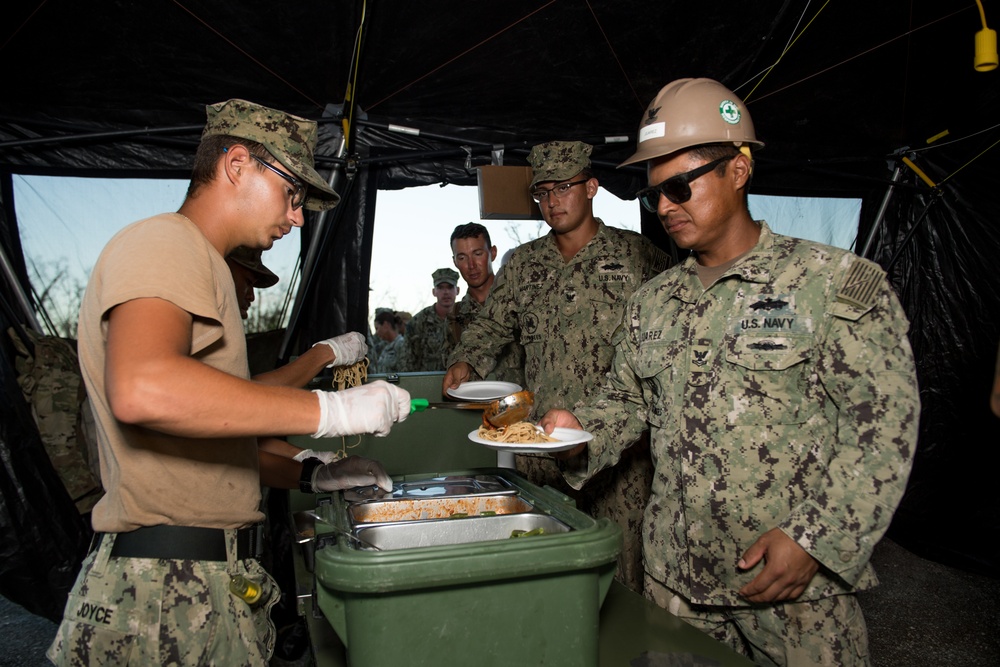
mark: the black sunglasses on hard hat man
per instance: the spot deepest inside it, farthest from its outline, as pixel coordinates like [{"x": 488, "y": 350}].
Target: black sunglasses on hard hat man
[{"x": 676, "y": 188}]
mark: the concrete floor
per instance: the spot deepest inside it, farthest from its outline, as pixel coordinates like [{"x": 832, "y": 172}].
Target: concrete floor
[{"x": 924, "y": 613}]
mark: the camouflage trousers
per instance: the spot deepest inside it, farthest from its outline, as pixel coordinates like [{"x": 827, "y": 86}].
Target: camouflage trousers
[
  {"x": 146, "y": 611},
  {"x": 619, "y": 493},
  {"x": 830, "y": 631}
]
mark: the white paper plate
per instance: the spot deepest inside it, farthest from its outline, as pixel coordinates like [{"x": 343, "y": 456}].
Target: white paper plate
[
  {"x": 483, "y": 391},
  {"x": 568, "y": 438}
]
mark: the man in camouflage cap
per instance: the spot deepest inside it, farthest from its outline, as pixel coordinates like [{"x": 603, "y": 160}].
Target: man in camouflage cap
[
  {"x": 249, "y": 273},
  {"x": 781, "y": 391},
  {"x": 558, "y": 161},
  {"x": 175, "y": 561},
  {"x": 560, "y": 298},
  {"x": 289, "y": 139},
  {"x": 426, "y": 340}
]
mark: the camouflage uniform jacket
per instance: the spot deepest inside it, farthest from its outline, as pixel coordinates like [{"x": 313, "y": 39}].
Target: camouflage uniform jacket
[
  {"x": 426, "y": 342},
  {"x": 392, "y": 353},
  {"x": 562, "y": 313},
  {"x": 375, "y": 347},
  {"x": 510, "y": 364},
  {"x": 783, "y": 395}
]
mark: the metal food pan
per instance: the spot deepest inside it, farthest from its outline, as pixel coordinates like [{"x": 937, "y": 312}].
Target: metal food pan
[
  {"x": 434, "y": 487},
  {"x": 422, "y": 509},
  {"x": 408, "y": 535}
]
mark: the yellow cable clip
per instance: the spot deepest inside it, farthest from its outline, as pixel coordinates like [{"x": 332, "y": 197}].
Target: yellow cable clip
[{"x": 919, "y": 172}]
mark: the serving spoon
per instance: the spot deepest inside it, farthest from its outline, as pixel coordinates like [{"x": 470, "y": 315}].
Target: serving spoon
[{"x": 503, "y": 411}]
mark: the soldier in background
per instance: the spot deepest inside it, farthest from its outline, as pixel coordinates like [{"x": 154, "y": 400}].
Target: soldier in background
[
  {"x": 560, "y": 297},
  {"x": 249, "y": 273},
  {"x": 427, "y": 334},
  {"x": 473, "y": 254},
  {"x": 49, "y": 378},
  {"x": 387, "y": 326},
  {"x": 781, "y": 391},
  {"x": 403, "y": 318},
  {"x": 375, "y": 344}
]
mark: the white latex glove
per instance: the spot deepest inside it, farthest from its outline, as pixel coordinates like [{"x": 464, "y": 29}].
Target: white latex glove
[
  {"x": 325, "y": 457},
  {"x": 370, "y": 408},
  {"x": 348, "y": 348},
  {"x": 349, "y": 473}
]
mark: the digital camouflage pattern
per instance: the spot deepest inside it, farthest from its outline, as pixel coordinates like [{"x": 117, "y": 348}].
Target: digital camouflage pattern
[
  {"x": 290, "y": 139},
  {"x": 51, "y": 383},
  {"x": 558, "y": 160},
  {"x": 426, "y": 346},
  {"x": 510, "y": 364},
  {"x": 145, "y": 611},
  {"x": 784, "y": 395},
  {"x": 391, "y": 356},
  {"x": 375, "y": 345},
  {"x": 563, "y": 315},
  {"x": 793, "y": 633},
  {"x": 445, "y": 275}
]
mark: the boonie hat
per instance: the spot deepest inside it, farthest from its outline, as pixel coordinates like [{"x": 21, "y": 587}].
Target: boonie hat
[
  {"x": 558, "y": 160},
  {"x": 445, "y": 276},
  {"x": 290, "y": 139},
  {"x": 251, "y": 259}
]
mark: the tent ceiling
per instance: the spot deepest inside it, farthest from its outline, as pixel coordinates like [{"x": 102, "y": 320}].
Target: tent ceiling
[{"x": 857, "y": 82}]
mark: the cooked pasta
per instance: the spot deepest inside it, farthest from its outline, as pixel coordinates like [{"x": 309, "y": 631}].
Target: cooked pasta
[
  {"x": 350, "y": 376},
  {"x": 342, "y": 452},
  {"x": 519, "y": 433}
]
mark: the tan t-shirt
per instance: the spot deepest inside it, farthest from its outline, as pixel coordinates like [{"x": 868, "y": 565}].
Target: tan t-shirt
[{"x": 152, "y": 478}]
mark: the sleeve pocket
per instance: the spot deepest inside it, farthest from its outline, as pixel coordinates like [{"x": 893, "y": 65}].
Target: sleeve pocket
[{"x": 655, "y": 364}]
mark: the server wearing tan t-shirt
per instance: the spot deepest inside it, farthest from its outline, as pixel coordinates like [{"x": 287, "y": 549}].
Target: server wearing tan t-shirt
[{"x": 173, "y": 576}]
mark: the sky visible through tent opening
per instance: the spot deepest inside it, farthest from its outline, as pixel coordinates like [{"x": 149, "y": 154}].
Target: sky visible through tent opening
[{"x": 65, "y": 222}]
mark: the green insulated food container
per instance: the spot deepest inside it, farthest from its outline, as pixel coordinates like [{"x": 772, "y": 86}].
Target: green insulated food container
[{"x": 499, "y": 581}]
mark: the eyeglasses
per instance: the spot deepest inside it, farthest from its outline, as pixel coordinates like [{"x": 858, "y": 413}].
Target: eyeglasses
[
  {"x": 298, "y": 193},
  {"x": 676, "y": 188},
  {"x": 541, "y": 194}
]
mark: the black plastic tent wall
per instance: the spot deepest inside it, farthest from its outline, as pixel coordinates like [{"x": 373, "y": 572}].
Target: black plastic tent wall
[{"x": 839, "y": 92}]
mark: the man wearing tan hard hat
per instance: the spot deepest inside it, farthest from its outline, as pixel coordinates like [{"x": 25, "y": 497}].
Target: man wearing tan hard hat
[
  {"x": 178, "y": 533},
  {"x": 780, "y": 388},
  {"x": 560, "y": 298}
]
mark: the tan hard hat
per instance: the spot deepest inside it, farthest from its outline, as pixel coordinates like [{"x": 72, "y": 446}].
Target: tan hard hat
[{"x": 692, "y": 112}]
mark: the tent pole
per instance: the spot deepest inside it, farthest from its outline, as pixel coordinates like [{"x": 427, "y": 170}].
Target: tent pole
[
  {"x": 312, "y": 255},
  {"x": 22, "y": 298},
  {"x": 881, "y": 211}
]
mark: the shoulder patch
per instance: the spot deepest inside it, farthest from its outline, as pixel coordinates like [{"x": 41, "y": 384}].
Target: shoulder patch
[{"x": 861, "y": 284}]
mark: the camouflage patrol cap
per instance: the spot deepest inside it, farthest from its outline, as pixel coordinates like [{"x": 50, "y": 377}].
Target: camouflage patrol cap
[
  {"x": 445, "y": 276},
  {"x": 558, "y": 160},
  {"x": 251, "y": 260},
  {"x": 290, "y": 139}
]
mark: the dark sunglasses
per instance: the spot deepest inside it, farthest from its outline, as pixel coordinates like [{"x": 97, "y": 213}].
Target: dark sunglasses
[{"x": 676, "y": 188}]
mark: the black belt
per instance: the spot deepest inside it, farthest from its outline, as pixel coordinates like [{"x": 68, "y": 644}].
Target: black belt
[{"x": 185, "y": 543}]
